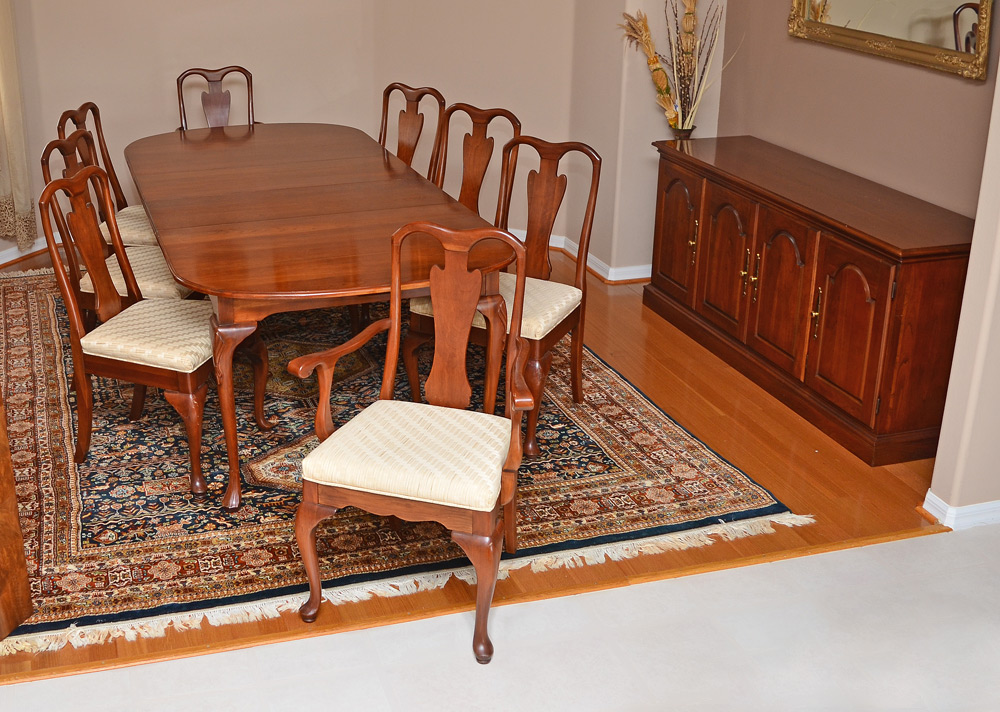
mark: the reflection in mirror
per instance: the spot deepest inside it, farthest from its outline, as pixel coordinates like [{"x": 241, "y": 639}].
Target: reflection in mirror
[
  {"x": 941, "y": 23},
  {"x": 949, "y": 35}
]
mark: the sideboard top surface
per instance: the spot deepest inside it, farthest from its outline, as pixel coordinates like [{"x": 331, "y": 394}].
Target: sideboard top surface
[{"x": 898, "y": 223}]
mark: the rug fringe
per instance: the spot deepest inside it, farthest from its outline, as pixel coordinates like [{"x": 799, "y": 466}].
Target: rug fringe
[
  {"x": 156, "y": 627},
  {"x": 27, "y": 273}
]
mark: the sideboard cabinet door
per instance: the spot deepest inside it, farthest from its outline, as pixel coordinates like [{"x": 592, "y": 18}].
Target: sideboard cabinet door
[
  {"x": 724, "y": 259},
  {"x": 848, "y": 325},
  {"x": 675, "y": 243},
  {"x": 781, "y": 283}
]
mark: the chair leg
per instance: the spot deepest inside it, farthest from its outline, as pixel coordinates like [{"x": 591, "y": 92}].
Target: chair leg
[
  {"x": 307, "y": 517},
  {"x": 576, "y": 361},
  {"x": 484, "y": 552},
  {"x": 494, "y": 357},
  {"x": 84, "y": 413},
  {"x": 412, "y": 342},
  {"x": 191, "y": 407},
  {"x": 510, "y": 524},
  {"x": 355, "y": 314},
  {"x": 360, "y": 316},
  {"x": 138, "y": 401},
  {"x": 535, "y": 373},
  {"x": 258, "y": 359}
]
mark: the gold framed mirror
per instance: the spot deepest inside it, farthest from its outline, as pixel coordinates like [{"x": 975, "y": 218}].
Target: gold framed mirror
[{"x": 948, "y": 35}]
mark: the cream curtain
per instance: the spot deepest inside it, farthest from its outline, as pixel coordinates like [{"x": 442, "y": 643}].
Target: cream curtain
[{"x": 17, "y": 209}]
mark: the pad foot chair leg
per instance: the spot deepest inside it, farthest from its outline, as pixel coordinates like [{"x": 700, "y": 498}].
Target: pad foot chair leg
[
  {"x": 535, "y": 373},
  {"x": 191, "y": 407},
  {"x": 307, "y": 517},
  {"x": 484, "y": 552},
  {"x": 258, "y": 359},
  {"x": 138, "y": 401},
  {"x": 576, "y": 362},
  {"x": 510, "y": 525},
  {"x": 84, "y": 415}
]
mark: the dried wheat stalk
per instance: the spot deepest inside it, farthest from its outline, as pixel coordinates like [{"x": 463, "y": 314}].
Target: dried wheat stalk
[{"x": 637, "y": 34}]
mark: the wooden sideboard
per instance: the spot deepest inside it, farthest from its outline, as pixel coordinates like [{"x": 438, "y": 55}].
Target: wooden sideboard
[{"x": 838, "y": 295}]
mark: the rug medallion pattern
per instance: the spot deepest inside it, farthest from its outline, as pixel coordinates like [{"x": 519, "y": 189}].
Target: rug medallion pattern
[{"x": 121, "y": 536}]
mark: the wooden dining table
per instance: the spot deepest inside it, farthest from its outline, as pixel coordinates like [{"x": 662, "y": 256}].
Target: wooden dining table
[{"x": 273, "y": 218}]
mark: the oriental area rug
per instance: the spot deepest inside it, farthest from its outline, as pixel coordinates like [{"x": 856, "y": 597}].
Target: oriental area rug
[{"x": 119, "y": 547}]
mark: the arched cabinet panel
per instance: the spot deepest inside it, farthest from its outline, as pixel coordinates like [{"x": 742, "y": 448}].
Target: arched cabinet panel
[
  {"x": 724, "y": 259},
  {"x": 848, "y": 327},
  {"x": 781, "y": 282},
  {"x": 678, "y": 208}
]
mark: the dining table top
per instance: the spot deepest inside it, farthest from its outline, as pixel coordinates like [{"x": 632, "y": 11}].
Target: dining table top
[{"x": 286, "y": 210}]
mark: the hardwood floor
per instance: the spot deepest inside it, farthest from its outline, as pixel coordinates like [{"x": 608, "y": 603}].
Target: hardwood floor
[{"x": 853, "y": 504}]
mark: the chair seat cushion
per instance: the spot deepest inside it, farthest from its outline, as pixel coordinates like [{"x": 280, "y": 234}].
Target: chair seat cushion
[
  {"x": 173, "y": 334},
  {"x": 546, "y": 304},
  {"x": 151, "y": 273},
  {"x": 416, "y": 451},
  {"x": 133, "y": 226}
]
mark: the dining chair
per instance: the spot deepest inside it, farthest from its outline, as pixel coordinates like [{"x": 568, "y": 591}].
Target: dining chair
[
  {"x": 432, "y": 461},
  {"x": 146, "y": 261},
  {"x": 411, "y": 121},
  {"x": 133, "y": 224},
  {"x": 155, "y": 342},
  {"x": 477, "y": 149},
  {"x": 215, "y": 101},
  {"x": 551, "y": 309}
]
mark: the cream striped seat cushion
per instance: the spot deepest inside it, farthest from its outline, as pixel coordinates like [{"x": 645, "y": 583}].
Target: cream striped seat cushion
[
  {"x": 133, "y": 225},
  {"x": 416, "y": 451},
  {"x": 545, "y": 304},
  {"x": 151, "y": 273},
  {"x": 173, "y": 334}
]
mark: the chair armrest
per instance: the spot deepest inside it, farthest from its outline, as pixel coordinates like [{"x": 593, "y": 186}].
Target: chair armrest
[
  {"x": 324, "y": 363},
  {"x": 520, "y": 395}
]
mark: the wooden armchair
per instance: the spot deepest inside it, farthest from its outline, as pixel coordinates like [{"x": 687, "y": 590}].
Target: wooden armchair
[
  {"x": 551, "y": 309},
  {"x": 477, "y": 149},
  {"x": 158, "y": 342},
  {"x": 215, "y": 101},
  {"x": 411, "y": 122},
  {"x": 417, "y": 461},
  {"x": 133, "y": 224},
  {"x": 146, "y": 261}
]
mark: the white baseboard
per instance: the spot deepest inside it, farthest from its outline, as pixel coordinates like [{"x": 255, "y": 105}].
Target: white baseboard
[
  {"x": 604, "y": 270},
  {"x": 12, "y": 253},
  {"x": 972, "y": 515}
]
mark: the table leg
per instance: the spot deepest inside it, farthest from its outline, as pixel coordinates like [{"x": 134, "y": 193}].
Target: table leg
[{"x": 225, "y": 339}]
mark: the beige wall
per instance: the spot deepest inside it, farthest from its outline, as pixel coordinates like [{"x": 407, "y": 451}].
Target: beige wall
[
  {"x": 966, "y": 470},
  {"x": 312, "y": 60},
  {"x": 918, "y": 130},
  {"x": 310, "y": 66},
  {"x": 560, "y": 65}
]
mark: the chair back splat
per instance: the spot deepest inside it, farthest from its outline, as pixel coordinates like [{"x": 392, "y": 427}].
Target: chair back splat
[
  {"x": 216, "y": 102},
  {"x": 456, "y": 291},
  {"x": 83, "y": 244},
  {"x": 477, "y": 149},
  {"x": 411, "y": 121},
  {"x": 546, "y": 188},
  {"x": 78, "y": 118}
]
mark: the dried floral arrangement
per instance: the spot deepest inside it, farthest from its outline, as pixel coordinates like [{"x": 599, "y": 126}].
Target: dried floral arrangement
[{"x": 681, "y": 74}]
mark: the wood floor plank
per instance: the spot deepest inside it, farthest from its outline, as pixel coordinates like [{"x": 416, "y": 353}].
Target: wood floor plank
[{"x": 853, "y": 504}]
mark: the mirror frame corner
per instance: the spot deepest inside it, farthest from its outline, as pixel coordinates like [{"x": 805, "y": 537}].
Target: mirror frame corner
[{"x": 970, "y": 66}]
